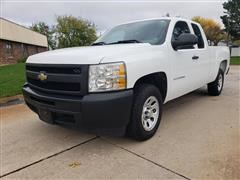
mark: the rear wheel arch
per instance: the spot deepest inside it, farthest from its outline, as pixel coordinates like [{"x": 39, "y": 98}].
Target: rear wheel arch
[
  {"x": 215, "y": 87},
  {"x": 223, "y": 66},
  {"x": 158, "y": 79}
]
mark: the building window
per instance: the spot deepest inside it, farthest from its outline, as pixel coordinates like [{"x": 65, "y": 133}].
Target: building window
[
  {"x": 24, "y": 50},
  {"x": 9, "y": 49}
]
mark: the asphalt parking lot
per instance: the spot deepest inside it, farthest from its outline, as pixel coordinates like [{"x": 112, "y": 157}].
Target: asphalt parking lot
[{"x": 199, "y": 138}]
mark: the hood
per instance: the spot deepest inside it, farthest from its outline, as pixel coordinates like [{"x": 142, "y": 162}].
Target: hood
[{"x": 86, "y": 55}]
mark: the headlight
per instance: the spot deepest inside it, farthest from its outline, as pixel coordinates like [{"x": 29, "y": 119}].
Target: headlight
[{"x": 107, "y": 77}]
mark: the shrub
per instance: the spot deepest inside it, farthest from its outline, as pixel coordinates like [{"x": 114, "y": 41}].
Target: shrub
[{"x": 22, "y": 60}]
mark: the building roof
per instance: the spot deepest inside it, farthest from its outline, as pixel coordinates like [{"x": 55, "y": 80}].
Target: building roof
[{"x": 15, "y": 32}]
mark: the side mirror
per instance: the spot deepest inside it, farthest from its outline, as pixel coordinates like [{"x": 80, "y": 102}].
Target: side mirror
[{"x": 185, "y": 40}]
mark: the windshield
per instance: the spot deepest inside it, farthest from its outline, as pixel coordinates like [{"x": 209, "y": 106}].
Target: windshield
[{"x": 151, "y": 31}]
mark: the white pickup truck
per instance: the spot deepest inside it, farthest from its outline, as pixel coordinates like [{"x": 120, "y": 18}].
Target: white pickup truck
[{"x": 119, "y": 84}]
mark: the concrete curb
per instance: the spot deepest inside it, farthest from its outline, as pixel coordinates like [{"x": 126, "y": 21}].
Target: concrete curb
[{"x": 12, "y": 100}]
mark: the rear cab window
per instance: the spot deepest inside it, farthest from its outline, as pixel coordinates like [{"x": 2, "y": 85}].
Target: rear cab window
[{"x": 198, "y": 33}]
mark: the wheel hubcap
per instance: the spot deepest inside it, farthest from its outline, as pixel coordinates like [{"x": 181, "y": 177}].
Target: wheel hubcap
[
  {"x": 220, "y": 82},
  {"x": 150, "y": 113}
]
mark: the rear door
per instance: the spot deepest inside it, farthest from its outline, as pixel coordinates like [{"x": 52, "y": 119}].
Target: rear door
[{"x": 201, "y": 62}]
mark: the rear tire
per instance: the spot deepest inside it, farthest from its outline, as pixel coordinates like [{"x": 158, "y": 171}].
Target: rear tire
[
  {"x": 146, "y": 112},
  {"x": 215, "y": 87}
]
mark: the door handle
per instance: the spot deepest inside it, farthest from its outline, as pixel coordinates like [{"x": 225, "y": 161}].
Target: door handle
[{"x": 195, "y": 57}]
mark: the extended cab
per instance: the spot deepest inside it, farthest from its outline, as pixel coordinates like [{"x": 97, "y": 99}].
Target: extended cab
[{"x": 119, "y": 84}]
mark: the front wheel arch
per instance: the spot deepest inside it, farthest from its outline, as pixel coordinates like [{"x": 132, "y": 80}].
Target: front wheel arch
[{"x": 158, "y": 79}]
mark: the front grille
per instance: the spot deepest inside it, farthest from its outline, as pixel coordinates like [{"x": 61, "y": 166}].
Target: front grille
[
  {"x": 55, "y": 85},
  {"x": 59, "y": 70},
  {"x": 60, "y": 79}
]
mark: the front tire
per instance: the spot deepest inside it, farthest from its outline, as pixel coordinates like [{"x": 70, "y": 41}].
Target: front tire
[
  {"x": 146, "y": 112},
  {"x": 215, "y": 87}
]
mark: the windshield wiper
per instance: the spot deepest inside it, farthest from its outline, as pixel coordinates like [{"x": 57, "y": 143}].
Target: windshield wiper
[
  {"x": 126, "y": 41},
  {"x": 98, "y": 44},
  {"x": 117, "y": 42}
]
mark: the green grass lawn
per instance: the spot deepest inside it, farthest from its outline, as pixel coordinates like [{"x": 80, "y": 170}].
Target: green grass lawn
[
  {"x": 235, "y": 60},
  {"x": 12, "y": 78}
]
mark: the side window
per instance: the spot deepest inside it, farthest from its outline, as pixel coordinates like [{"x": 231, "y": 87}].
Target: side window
[
  {"x": 198, "y": 33},
  {"x": 180, "y": 28}
]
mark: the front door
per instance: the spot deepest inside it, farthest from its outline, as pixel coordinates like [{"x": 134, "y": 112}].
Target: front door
[{"x": 183, "y": 64}]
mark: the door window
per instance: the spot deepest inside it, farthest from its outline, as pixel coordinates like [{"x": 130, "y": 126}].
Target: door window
[{"x": 180, "y": 28}]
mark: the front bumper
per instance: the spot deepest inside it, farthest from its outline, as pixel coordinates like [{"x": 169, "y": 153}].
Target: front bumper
[{"x": 100, "y": 113}]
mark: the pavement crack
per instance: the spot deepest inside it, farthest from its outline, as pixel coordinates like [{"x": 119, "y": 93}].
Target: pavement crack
[
  {"x": 48, "y": 157},
  {"x": 146, "y": 159}
]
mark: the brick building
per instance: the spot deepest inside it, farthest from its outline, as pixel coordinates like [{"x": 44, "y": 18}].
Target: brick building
[{"x": 18, "y": 42}]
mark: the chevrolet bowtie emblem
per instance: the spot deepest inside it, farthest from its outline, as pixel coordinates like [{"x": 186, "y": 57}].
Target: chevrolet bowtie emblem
[{"x": 42, "y": 76}]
